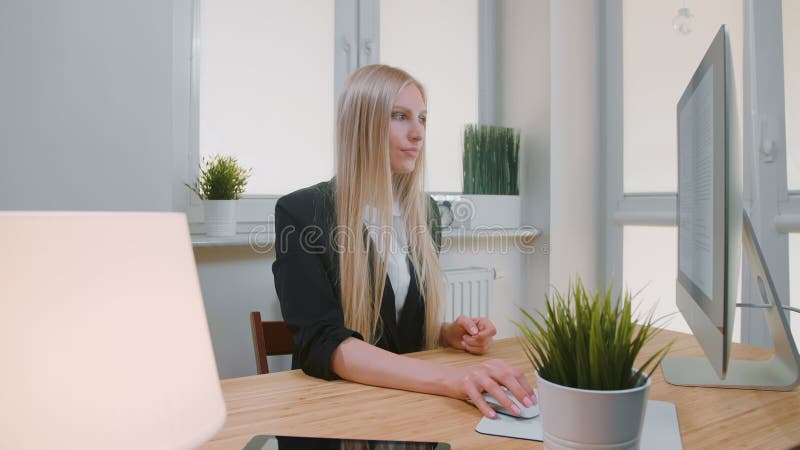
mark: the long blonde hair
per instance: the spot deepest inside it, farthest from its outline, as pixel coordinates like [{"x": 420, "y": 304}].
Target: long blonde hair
[{"x": 364, "y": 176}]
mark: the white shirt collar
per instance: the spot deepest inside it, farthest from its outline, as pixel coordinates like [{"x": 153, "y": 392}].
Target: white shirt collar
[{"x": 371, "y": 213}]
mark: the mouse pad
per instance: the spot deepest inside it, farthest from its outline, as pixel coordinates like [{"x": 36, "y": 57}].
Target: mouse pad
[{"x": 659, "y": 432}]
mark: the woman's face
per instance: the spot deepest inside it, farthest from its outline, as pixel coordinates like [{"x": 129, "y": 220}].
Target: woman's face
[{"x": 406, "y": 129}]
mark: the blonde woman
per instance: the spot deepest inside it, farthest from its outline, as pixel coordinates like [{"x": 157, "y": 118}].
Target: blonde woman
[{"x": 357, "y": 269}]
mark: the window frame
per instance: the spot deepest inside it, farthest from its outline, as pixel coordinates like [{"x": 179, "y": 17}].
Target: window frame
[{"x": 774, "y": 210}]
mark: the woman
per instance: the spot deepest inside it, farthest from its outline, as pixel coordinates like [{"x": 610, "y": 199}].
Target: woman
[{"x": 337, "y": 242}]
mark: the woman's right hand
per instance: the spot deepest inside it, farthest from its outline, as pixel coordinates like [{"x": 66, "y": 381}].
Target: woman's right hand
[{"x": 490, "y": 376}]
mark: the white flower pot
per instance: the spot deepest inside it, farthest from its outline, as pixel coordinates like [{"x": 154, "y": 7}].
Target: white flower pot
[
  {"x": 220, "y": 217},
  {"x": 487, "y": 211},
  {"x": 584, "y": 419}
]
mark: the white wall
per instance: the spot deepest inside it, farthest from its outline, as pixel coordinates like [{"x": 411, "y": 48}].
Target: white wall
[
  {"x": 86, "y": 109},
  {"x": 236, "y": 281},
  {"x": 499, "y": 254}
]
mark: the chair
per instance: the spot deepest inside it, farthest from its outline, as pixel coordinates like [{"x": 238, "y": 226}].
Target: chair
[{"x": 269, "y": 338}]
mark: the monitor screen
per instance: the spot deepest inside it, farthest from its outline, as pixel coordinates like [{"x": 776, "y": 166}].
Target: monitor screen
[
  {"x": 709, "y": 203},
  {"x": 696, "y": 186}
]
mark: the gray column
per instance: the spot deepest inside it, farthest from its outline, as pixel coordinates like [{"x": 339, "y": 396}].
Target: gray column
[{"x": 575, "y": 166}]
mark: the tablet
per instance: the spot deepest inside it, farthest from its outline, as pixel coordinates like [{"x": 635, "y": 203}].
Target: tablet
[{"x": 265, "y": 442}]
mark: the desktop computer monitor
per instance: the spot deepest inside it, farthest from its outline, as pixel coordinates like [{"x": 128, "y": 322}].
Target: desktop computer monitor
[
  {"x": 713, "y": 228},
  {"x": 709, "y": 204}
]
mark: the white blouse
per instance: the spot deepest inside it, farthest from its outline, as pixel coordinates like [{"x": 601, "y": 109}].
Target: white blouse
[{"x": 398, "y": 270}]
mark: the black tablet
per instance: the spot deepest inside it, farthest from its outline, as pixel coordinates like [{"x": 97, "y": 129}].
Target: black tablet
[{"x": 264, "y": 442}]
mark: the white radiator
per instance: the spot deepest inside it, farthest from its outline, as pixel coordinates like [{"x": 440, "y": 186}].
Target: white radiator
[{"x": 469, "y": 292}]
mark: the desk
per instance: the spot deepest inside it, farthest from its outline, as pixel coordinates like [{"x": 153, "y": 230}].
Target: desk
[{"x": 292, "y": 403}]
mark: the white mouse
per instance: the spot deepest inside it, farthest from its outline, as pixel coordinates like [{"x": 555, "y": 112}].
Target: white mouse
[{"x": 526, "y": 412}]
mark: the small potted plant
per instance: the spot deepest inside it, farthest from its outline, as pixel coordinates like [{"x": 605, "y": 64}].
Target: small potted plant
[
  {"x": 219, "y": 184},
  {"x": 583, "y": 351},
  {"x": 491, "y": 178}
]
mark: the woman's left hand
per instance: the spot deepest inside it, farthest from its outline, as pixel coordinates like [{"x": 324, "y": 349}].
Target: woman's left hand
[{"x": 473, "y": 335}]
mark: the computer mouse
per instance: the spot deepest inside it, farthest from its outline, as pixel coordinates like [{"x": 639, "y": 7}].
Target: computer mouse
[{"x": 526, "y": 412}]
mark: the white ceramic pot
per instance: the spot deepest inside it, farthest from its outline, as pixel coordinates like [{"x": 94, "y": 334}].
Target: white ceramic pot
[
  {"x": 487, "y": 211},
  {"x": 584, "y": 419},
  {"x": 220, "y": 217}
]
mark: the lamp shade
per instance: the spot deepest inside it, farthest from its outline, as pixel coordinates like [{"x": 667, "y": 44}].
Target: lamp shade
[{"x": 104, "y": 341}]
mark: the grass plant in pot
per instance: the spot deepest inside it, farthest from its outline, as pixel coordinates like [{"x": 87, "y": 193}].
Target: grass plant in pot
[
  {"x": 219, "y": 184},
  {"x": 491, "y": 178},
  {"x": 583, "y": 350}
]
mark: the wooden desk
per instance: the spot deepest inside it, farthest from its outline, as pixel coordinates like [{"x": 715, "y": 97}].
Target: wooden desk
[{"x": 291, "y": 403}]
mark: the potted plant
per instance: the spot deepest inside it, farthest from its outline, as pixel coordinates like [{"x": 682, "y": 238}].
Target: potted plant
[
  {"x": 583, "y": 351},
  {"x": 491, "y": 177},
  {"x": 219, "y": 184}
]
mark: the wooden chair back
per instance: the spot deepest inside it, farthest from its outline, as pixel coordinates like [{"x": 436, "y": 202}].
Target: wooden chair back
[{"x": 269, "y": 338}]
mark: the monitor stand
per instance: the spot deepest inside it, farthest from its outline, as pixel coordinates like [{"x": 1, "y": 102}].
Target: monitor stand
[{"x": 779, "y": 373}]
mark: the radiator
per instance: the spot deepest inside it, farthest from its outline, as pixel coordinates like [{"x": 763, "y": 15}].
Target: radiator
[{"x": 469, "y": 292}]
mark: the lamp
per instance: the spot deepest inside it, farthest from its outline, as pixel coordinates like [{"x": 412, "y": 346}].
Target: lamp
[{"x": 103, "y": 334}]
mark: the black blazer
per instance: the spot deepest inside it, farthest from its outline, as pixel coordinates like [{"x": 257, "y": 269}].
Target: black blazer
[{"x": 306, "y": 271}]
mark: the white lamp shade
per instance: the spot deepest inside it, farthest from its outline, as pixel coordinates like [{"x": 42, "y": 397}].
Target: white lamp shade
[{"x": 104, "y": 341}]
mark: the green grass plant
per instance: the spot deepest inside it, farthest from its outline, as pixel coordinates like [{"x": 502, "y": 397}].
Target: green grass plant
[
  {"x": 220, "y": 178},
  {"x": 589, "y": 340},
  {"x": 491, "y": 160}
]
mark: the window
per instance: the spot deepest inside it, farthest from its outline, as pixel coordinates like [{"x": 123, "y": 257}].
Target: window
[
  {"x": 652, "y": 273},
  {"x": 794, "y": 284},
  {"x": 266, "y": 77},
  {"x": 657, "y": 65},
  {"x": 650, "y": 266},
  {"x": 266, "y": 89},
  {"x": 441, "y": 50}
]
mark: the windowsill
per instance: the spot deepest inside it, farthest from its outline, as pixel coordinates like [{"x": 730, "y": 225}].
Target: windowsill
[
  {"x": 261, "y": 241},
  {"x": 528, "y": 232}
]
